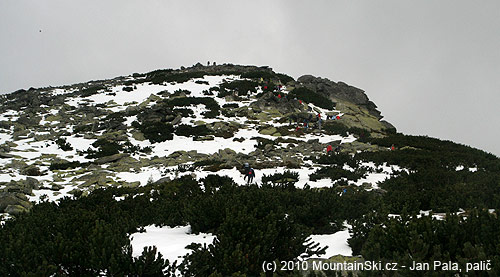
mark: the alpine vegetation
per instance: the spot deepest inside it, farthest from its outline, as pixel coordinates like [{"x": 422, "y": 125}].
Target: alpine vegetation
[{"x": 232, "y": 170}]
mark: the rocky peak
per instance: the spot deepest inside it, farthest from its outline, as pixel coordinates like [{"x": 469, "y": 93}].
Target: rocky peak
[
  {"x": 118, "y": 132},
  {"x": 339, "y": 91}
]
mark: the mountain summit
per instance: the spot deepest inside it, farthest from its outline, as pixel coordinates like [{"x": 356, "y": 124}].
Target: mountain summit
[
  {"x": 121, "y": 132},
  {"x": 264, "y": 166}
]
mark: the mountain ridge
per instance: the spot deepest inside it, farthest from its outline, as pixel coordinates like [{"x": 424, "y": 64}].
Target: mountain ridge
[{"x": 106, "y": 160}]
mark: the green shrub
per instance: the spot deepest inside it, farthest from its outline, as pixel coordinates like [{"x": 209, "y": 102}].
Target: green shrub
[
  {"x": 424, "y": 152},
  {"x": 242, "y": 87},
  {"x": 82, "y": 128},
  {"x": 31, "y": 170},
  {"x": 181, "y": 91},
  {"x": 262, "y": 142},
  {"x": 334, "y": 173},
  {"x": 338, "y": 160},
  {"x": 409, "y": 238},
  {"x": 91, "y": 90},
  {"x": 441, "y": 190},
  {"x": 104, "y": 148},
  {"x": 184, "y": 112},
  {"x": 192, "y": 131},
  {"x": 265, "y": 74},
  {"x": 333, "y": 127},
  {"x": 63, "y": 144},
  {"x": 112, "y": 121},
  {"x": 284, "y": 78},
  {"x": 310, "y": 96},
  {"x": 89, "y": 235},
  {"x": 169, "y": 76},
  {"x": 66, "y": 165},
  {"x": 84, "y": 237},
  {"x": 230, "y": 105},
  {"x": 210, "y": 104},
  {"x": 244, "y": 241},
  {"x": 287, "y": 178},
  {"x": 155, "y": 131}
]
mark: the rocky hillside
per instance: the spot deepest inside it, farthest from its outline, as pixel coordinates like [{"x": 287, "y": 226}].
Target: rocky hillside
[
  {"x": 120, "y": 176},
  {"x": 148, "y": 127}
]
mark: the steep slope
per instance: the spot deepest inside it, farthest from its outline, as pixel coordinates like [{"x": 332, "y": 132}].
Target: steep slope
[
  {"x": 128, "y": 130},
  {"x": 91, "y": 173}
]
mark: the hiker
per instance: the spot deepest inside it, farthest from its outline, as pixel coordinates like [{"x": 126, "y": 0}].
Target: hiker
[
  {"x": 246, "y": 169},
  {"x": 251, "y": 175},
  {"x": 337, "y": 117},
  {"x": 329, "y": 149},
  {"x": 319, "y": 123},
  {"x": 337, "y": 149},
  {"x": 279, "y": 96},
  {"x": 393, "y": 148}
]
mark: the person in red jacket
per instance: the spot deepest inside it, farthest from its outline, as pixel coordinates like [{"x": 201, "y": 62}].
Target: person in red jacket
[
  {"x": 338, "y": 117},
  {"x": 251, "y": 175},
  {"x": 329, "y": 149}
]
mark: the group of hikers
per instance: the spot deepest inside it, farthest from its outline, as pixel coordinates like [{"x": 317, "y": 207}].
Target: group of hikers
[
  {"x": 330, "y": 150},
  {"x": 249, "y": 173},
  {"x": 305, "y": 122},
  {"x": 300, "y": 121}
]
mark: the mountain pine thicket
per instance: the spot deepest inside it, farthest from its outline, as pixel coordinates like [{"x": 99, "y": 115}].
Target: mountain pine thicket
[{"x": 87, "y": 234}]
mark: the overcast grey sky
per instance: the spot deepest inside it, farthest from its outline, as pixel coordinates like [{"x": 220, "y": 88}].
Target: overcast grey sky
[{"x": 432, "y": 67}]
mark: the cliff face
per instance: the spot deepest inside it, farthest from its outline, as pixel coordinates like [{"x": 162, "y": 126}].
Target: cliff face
[
  {"x": 360, "y": 111},
  {"x": 340, "y": 92}
]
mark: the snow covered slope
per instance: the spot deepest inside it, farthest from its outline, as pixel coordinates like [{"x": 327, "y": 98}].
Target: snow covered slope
[{"x": 146, "y": 128}]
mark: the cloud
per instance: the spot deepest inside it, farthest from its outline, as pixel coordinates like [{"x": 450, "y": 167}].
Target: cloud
[{"x": 430, "y": 66}]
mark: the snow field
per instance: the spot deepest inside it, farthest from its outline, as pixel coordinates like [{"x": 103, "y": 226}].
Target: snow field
[
  {"x": 170, "y": 242},
  {"x": 337, "y": 243}
]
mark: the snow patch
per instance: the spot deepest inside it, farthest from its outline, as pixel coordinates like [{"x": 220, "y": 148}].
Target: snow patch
[
  {"x": 337, "y": 243},
  {"x": 170, "y": 242}
]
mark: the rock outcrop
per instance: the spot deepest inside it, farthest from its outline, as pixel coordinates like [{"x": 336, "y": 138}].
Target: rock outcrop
[
  {"x": 99, "y": 136},
  {"x": 339, "y": 91}
]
